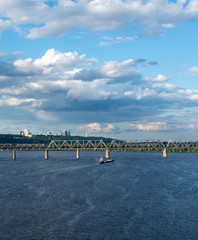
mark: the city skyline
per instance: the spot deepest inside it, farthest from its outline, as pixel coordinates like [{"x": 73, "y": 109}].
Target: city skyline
[{"x": 126, "y": 69}]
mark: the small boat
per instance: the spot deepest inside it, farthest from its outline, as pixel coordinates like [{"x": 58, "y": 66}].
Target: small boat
[{"x": 101, "y": 160}]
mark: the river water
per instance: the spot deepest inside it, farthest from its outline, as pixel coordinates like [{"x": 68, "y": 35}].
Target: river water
[{"x": 139, "y": 196}]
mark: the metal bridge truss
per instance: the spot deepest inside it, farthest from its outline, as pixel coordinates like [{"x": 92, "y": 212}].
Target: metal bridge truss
[
  {"x": 116, "y": 144},
  {"x": 58, "y": 145},
  {"x": 77, "y": 144},
  {"x": 22, "y": 147}
]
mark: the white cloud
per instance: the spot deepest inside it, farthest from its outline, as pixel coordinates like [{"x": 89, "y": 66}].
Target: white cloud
[
  {"x": 96, "y": 15},
  {"x": 17, "y": 101},
  {"x": 2, "y": 78},
  {"x": 97, "y": 128},
  {"x": 155, "y": 126},
  {"x": 117, "y": 69},
  {"x": 24, "y": 12},
  {"x": 5, "y": 24},
  {"x": 53, "y": 60},
  {"x": 189, "y": 94},
  {"x": 193, "y": 69},
  {"x": 171, "y": 87},
  {"x": 140, "y": 93},
  {"x": 168, "y": 25},
  {"x": 94, "y": 90},
  {"x": 120, "y": 39},
  {"x": 12, "y": 91},
  {"x": 159, "y": 78},
  {"x": 171, "y": 93},
  {"x": 67, "y": 87},
  {"x": 192, "y": 7}
]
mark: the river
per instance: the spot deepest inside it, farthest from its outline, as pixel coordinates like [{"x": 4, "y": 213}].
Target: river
[{"x": 140, "y": 196}]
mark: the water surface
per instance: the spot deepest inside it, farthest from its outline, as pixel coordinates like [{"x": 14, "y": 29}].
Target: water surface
[{"x": 139, "y": 196}]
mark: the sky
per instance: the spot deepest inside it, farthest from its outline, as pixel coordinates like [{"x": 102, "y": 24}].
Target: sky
[{"x": 126, "y": 69}]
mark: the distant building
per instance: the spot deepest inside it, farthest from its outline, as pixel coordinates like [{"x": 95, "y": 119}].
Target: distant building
[
  {"x": 66, "y": 133},
  {"x": 26, "y": 133}
]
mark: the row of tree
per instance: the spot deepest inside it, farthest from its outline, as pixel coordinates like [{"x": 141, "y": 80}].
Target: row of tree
[
  {"x": 43, "y": 139},
  {"x": 46, "y": 139}
]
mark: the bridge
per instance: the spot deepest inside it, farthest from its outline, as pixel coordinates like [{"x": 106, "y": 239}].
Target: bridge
[{"x": 98, "y": 145}]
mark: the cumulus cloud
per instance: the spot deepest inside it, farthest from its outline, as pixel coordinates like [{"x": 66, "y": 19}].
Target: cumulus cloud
[
  {"x": 53, "y": 60},
  {"x": 87, "y": 90},
  {"x": 116, "y": 69},
  {"x": 115, "y": 72},
  {"x": 97, "y": 128},
  {"x": 24, "y": 12},
  {"x": 155, "y": 126},
  {"x": 69, "y": 88},
  {"x": 180, "y": 93},
  {"x": 140, "y": 93},
  {"x": 45, "y": 20},
  {"x": 159, "y": 78}
]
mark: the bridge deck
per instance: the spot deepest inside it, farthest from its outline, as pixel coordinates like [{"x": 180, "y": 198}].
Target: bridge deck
[{"x": 98, "y": 145}]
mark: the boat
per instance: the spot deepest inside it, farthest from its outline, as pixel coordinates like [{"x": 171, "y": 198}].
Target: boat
[{"x": 101, "y": 160}]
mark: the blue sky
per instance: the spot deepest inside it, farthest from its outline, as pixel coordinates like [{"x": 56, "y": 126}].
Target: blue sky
[{"x": 124, "y": 69}]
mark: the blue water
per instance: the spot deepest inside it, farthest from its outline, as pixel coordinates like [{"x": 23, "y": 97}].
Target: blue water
[{"x": 139, "y": 196}]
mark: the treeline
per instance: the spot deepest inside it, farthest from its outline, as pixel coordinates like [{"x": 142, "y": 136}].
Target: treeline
[
  {"x": 43, "y": 139},
  {"x": 46, "y": 139}
]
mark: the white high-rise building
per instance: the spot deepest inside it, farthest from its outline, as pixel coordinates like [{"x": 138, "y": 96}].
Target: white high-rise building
[{"x": 26, "y": 133}]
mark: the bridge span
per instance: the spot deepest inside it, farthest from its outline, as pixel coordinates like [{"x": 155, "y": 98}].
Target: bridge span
[{"x": 98, "y": 145}]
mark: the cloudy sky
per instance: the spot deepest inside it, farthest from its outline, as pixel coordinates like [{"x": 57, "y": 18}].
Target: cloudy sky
[{"x": 125, "y": 69}]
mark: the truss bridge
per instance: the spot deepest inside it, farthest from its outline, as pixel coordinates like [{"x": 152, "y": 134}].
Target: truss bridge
[
  {"x": 118, "y": 145},
  {"x": 98, "y": 145}
]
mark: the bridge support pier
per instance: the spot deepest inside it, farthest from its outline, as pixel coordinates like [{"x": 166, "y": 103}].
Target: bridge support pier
[
  {"x": 46, "y": 154},
  {"x": 107, "y": 154},
  {"x": 77, "y": 154},
  {"x": 164, "y": 153},
  {"x": 14, "y": 154}
]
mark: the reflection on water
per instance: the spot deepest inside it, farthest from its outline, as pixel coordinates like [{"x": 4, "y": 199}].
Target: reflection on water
[{"x": 139, "y": 196}]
